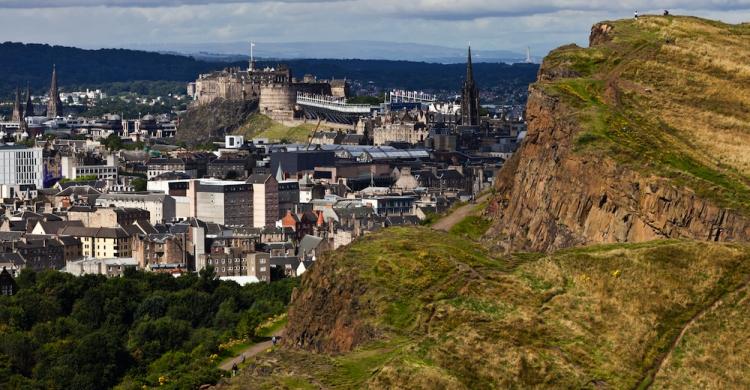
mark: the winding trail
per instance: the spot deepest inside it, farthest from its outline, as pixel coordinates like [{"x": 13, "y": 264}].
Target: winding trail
[
  {"x": 458, "y": 215},
  {"x": 249, "y": 352},
  {"x": 651, "y": 374}
]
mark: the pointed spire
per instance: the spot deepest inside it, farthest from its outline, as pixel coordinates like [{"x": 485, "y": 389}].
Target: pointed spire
[
  {"x": 469, "y": 96},
  {"x": 54, "y": 107},
  {"x": 17, "y": 110},
  {"x": 279, "y": 174}
]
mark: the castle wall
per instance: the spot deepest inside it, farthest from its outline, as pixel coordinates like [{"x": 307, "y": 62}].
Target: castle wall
[{"x": 277, "y": 101}]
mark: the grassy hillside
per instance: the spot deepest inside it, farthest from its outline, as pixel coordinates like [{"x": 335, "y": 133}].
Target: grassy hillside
[
  {"x": 668, "y": 96},
  {"x": 443, "y": 312},
  {"x": 261, "y": 126}
]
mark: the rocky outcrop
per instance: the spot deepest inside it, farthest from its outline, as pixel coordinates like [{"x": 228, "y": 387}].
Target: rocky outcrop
[
  {"x": 211, "y": 121},
  {"x": 600, "y": 33},
  {"x": 326, "y": 312},
  {"x": 551, "y": 197}
]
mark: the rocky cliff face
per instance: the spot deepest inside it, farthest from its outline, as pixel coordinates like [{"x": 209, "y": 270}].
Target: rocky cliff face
[
  {"x": 214, "y": 120},
  {"x": 551, "y": 196},
  {"x": 327, "y": 311}
]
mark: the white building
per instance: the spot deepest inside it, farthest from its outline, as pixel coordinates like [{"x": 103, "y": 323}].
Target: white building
[
  {"x": 161, "y": 206},
  {"x": 108, "y": 267},
  {"x": 21, "y": 165}
]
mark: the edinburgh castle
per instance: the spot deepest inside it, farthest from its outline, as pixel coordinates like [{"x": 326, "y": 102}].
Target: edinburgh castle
[{"x": 275, "y": 88}]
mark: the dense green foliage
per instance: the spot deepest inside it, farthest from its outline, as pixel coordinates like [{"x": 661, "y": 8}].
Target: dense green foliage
[
  {"x": 90, "y": 332},
  {"x": 140, "y": 184},
  {"x": 80, "y": 179},
  {"x": 114, "y": 142},
  {"x": 32, "y": 63}
]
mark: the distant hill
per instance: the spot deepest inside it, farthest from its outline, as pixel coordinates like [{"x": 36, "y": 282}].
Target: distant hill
[
  {"x": 362, "y": 49},
  {"x": 32, "y": 63},
  {"x": 415, "y": 75}
]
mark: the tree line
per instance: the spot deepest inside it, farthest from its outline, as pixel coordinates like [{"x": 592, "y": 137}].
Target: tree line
[{"x": 140, "y": 330}]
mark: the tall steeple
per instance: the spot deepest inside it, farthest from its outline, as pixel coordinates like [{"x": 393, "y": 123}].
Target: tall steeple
[
  {"x": 469, "y": 97},
  {"x": 54, "y": 107},
  {"x": 17, "y": 110},
  {"x": 29, "y": 111}
]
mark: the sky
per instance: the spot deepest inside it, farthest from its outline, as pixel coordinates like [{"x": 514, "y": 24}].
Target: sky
[{"x": 487, "y": 24}]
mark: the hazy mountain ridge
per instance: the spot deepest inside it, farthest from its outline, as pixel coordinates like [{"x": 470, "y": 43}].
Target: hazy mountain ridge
[
  {"x": 33, "y": 63},
  {"x": 361, "y": 49}
]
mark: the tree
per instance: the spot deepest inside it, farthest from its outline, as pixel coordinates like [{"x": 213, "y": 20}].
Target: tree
[
  {"x": 112, "y": 142},
  {"x": 139, "y": 184}
]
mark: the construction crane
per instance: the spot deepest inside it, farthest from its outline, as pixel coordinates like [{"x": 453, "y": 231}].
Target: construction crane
[{"x": 313, "y": 133}]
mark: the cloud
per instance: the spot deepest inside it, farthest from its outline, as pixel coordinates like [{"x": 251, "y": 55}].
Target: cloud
[
  {"x": 416, "y": 9},
  {"x": 37, "y": 4},
  {"x": 487, "y": 24}
]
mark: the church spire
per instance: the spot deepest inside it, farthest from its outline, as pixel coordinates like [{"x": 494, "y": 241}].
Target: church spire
[
  {"x": 469, "y": 97},
  {"x": 469, "y": 68},
  {"x": 17, "y": 110},
  {"x": 54, "y": 107}
]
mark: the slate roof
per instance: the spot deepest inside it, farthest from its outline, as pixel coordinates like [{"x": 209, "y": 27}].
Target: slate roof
[{"x": 14, "y": 259}]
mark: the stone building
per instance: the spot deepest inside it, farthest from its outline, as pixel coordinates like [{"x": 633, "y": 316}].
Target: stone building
[
  {"x": 227, "y": 261},
  {"x": 160, "y": 207},
  {"x": 107, "y": 216},
  {"x": 221, "y": 201},
  {"x": 402, "y": 126},
  {"x": 275, "y": 88},
  {"x": 265, "y": 200},
  {"x": 161, "y": 248},
  {"x": 469, "y": 97}
]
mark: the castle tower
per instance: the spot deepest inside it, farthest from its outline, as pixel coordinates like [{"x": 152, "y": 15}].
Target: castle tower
[
  {"x": 470, "y": 97},
  {"x": 54, "y": 107},
  {"x": 29, "y": 111},
  {"x": 17, "y": 110}
]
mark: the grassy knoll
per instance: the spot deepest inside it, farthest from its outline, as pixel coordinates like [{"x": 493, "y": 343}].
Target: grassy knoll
[
  {"x": 667, "y": 96},
  {"x": 472, "y": 227},
  {"x": 261, "y": 126},
  {"x": 451, "y": 315}
]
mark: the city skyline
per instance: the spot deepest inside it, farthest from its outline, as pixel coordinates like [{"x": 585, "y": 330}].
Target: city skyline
[{"x": 515, "y": 25}]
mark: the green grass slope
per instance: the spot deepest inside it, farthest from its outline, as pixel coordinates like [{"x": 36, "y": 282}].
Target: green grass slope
[
  {"x": 443, "y": 312},
  {"x": 668, "y": 96},
  {"x": 261, "y": 126}
]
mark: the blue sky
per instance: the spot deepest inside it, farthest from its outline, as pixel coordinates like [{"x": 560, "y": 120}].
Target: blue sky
[{"x": 487, "y": 24}]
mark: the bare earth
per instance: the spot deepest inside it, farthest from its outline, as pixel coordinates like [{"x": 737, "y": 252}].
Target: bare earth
[{"x": 447, "y": 222}]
